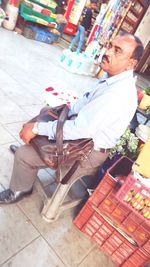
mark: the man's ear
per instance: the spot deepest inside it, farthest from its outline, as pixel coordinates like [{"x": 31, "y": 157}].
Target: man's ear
[{"x": 132, "y": 63}]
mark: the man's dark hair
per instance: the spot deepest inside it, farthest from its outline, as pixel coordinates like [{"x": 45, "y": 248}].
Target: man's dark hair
[
  {"x": 138, "y": 51},
  {"x": 93, "y": 1}
]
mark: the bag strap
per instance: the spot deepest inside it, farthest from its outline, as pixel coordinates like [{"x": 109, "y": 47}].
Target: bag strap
[{"x": 59, "y": 132}]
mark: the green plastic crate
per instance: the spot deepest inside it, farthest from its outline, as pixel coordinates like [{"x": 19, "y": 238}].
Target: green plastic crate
[
  {"x": 26, "y": 12},
  {"x": 45, "y": 6}
]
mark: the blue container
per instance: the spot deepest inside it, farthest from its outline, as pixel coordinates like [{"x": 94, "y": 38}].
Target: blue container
[
  {"x": 41, "y": 35},
  {"x": 46, "y": 37}
]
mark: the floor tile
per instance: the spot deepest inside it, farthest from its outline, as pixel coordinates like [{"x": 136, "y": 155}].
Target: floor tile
[
  {"x": 5, "y": 76},
  {"x": 32, "y": 111},
  {"x": 46, "y": 177},
  {"x": 6, "y": 163},
  {"x": 62, "y": 235},
  {"x": 37, "y": 254},
  {"x": 97, "y": 258},
  {"x": 14, "y": 129},
  {"x": 20, "y": 95},
  {"x": 10, "y": 112},
  {"x": 15, "y": 231},
  {"x": 5, "y": 136},
  {"x": 1, "y": 188}
]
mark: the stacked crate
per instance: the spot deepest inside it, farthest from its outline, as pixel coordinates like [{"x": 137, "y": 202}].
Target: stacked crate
[{"x": 116, "y": 229}]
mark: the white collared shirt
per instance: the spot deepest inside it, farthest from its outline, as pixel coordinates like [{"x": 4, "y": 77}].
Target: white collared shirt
[{"x": 103, "y": 113}]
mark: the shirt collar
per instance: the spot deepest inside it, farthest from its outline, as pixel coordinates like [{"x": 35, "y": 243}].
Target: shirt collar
[{"x": 120, "y": 76}]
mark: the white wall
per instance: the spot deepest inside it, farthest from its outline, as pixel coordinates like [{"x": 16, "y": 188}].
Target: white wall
[{"x": 143, "y": 30}]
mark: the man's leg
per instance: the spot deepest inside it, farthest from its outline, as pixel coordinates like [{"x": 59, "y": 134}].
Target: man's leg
[
  {"x": 81, "y": 39},
  {"x": 75, "y": 39},
  {"x": 26, "y": 165}
]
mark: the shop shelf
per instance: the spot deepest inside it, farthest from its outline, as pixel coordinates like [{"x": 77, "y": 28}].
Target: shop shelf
[{"x": 29, "y": 14}]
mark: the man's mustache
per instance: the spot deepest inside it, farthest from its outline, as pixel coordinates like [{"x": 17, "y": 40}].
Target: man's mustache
[{"x": 105, "y": 58}]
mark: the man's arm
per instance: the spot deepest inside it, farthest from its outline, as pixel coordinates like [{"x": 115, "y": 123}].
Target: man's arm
[{"x": 27, "y": 132}]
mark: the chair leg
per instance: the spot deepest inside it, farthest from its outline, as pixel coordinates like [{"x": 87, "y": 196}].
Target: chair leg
[{"x": 54, "y": 206}]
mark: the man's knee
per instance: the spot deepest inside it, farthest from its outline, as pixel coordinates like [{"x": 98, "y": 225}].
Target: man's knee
[{"x": 22, "y": 152}]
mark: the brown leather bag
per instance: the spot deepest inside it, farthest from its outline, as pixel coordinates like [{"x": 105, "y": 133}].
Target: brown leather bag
[{"x": 58, "y": 153}]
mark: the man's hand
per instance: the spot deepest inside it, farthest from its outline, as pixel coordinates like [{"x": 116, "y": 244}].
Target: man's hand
[
  {"x": 26, "y": 133},
  {"x": 86, "y": 33}
]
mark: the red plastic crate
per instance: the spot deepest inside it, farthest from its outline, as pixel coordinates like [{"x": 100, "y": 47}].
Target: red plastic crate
[
  {"x": 88, "y": 229},
  {"x": 103, "y": 233},
  {"x": 104, "y": 196},
  {"x": 99, "y": 219},
  {"x": 105, "y": 230},
  {"x": 116, "y": 240},
  {"x": 108, "y": 248},
  {"x": 96, "y": 197},
  {"x": 118, "y": 258},
  {"x": 70, "y": 28},
  {"x": 146, "y": 246},
  {"x": 95, "y": 221},
  {"x": 141, "y": 235},
  {"x": 108, "y": 204},
  {"x": 139, "y": 258},
  {"x": 127, "y": 249},
  {"x": 83, "y": 216},
  {"x": 129, "y": 225},
  {"x": 98, "y": 239},
  {"x": 124, "y": 248},
  {"x": 136, "y": 196},
  {"x": 120, "y": 213},
  {"x": 136, "y": 218},
  {"x": 128, "y": 263},
  {"x": 108, "y": 183}
]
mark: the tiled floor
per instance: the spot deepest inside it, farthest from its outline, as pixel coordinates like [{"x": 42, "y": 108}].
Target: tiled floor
[{"x": 27, "y": 67}]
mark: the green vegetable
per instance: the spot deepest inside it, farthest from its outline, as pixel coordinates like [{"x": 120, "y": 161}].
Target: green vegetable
[
  {"x": 126, "y": 146},
  {"x": 147, "y": 91}
]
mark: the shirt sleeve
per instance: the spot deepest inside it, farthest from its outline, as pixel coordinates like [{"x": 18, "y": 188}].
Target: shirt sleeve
[
  {"x": 49, "y": 128},
  {"x": 77, "y": 106},
  {"x": 72, "y": 129},
  {"x": 79, "y": 127}
]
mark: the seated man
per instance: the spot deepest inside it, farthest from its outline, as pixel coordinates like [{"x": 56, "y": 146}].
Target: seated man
[{"x": 103, "y": 114}]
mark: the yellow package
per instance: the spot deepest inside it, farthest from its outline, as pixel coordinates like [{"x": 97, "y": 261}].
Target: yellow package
[
  {"x": 142, "y": 164},
  {"x": 145, "y": 102}
]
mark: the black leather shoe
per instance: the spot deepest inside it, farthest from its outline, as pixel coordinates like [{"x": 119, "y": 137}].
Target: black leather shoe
[
  {"x": 13, "y": 148},
  {"x": 8, "y": 196}
]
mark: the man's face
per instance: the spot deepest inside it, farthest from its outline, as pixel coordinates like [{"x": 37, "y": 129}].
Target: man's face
[
  {"x": 118, "y": 57},
  {"x": 93, "y": 6}
]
